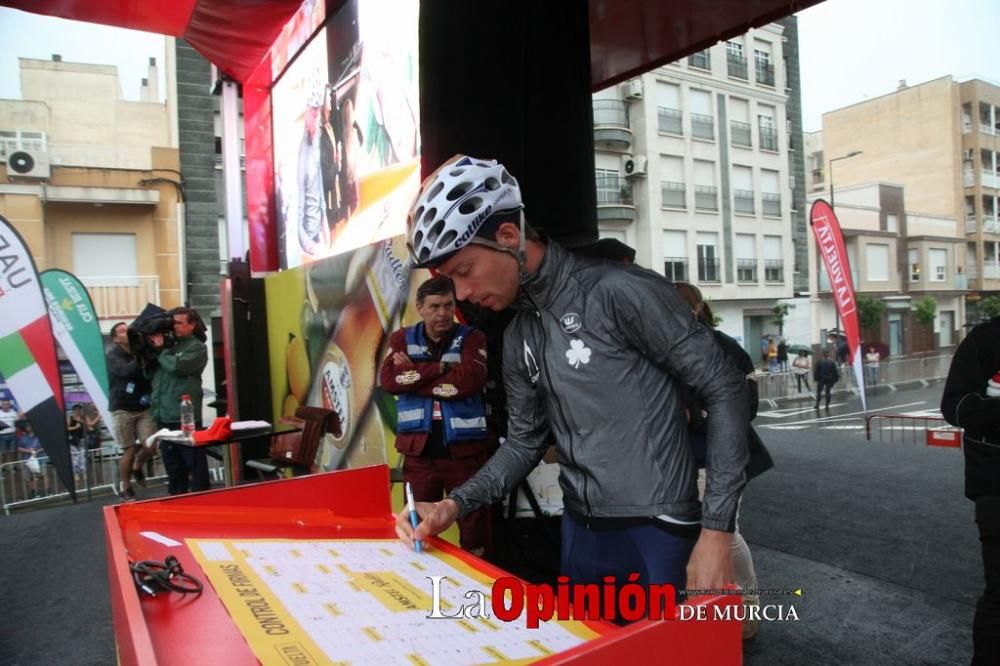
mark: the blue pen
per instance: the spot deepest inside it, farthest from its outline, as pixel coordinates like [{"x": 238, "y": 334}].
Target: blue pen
[{"x": 413, "y": 512}]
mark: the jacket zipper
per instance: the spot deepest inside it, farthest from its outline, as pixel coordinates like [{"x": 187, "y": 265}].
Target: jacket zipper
[{"x": 562, "y": 414}]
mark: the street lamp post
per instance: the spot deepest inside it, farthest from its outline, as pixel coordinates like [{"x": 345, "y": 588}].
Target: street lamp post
[{"x": 836, "y": 312}]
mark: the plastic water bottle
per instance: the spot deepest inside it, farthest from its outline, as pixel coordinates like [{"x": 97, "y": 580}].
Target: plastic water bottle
[{"x": 187, "y": 417}]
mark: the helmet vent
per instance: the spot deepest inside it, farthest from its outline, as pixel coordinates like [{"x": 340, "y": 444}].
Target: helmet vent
[
  {"x": 470, "y": 205},
  {"x": 435, "y": 231},
  {"x": 436, "y": 190},
  {"x": 459, "y": 190}
]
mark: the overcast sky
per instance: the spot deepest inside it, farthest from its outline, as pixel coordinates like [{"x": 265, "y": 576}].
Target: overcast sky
[
  {"x": 851, "y": 50},
  {"x": 27, "y": 35}
]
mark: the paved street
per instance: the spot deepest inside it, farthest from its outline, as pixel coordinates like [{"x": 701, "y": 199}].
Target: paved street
[{"x": 878, "y": 536}]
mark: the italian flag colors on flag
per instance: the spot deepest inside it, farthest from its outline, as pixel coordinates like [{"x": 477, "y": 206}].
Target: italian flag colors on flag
[
  {"x": 30, "y": 384},
  {"x": 28, "y": 351}
]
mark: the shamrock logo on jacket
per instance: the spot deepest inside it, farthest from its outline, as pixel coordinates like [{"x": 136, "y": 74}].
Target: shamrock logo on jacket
[{"x": 577, "y": 353}]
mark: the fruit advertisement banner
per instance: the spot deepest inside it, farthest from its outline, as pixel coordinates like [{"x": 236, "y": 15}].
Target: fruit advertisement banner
[{"x": 328, "y": 326}]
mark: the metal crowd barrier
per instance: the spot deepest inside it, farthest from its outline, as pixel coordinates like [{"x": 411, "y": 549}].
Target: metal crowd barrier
[
  {"x": 915, "y": 430},
  {"x": 778, "y": 385},
  {"x": 98, "y": 477}
]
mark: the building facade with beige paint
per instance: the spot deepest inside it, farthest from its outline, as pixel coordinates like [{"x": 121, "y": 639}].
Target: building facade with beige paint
[
  {"x": 914, "y": 178},
  {"x": 92, "y": 183}
]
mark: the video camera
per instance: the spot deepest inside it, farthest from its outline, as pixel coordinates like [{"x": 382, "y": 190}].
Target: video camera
[{"x": 144, "y": 327}]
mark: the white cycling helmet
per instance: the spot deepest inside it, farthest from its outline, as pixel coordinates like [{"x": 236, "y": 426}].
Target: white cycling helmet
[{"x": 453, "y": 205}]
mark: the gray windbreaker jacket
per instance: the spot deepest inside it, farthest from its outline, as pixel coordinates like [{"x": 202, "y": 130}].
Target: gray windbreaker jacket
[{"x": 594, "y": 360}]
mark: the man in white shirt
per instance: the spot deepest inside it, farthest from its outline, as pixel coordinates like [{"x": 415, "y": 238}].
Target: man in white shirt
[{"x": 8, "y": 442}]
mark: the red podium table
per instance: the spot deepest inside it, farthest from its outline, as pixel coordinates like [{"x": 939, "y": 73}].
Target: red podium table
[{"x": 350, "y": 505}]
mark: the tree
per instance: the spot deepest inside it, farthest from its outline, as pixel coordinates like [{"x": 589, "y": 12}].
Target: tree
[
  {"x": 925, "y": 311},
  {"x": 778, "y": 315},
  {"x": 989, "y": 307},
  {"x": 870, "y": 311}
]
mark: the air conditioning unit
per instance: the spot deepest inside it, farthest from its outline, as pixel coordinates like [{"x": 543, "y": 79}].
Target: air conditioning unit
[
  {"x": 632, "y": 89},
  {"x": 634, "y": 166},
  {"x": 28, "y": 164},
  {"x": 791, "y": 182}
]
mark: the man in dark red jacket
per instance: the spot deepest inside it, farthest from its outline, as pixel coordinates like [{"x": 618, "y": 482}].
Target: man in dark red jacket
[{"x": 437, "y": 370}]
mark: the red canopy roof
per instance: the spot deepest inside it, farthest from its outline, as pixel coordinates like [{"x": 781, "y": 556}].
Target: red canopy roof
[{"x": 626, "y": 36}]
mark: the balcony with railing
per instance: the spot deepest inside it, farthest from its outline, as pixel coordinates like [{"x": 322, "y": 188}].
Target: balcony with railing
[
  {"x": 740, "y": 134},
  {"x": 611, "y": 124},
  {"x": 774, "y": 270},
  {"x": 770, "y": 204},
  {"x": 706, "y": 197},
  {"x": 614, "y": 199},
  {"x": 675, "y": 268},
  {"x": 700, "y": 60},
  {"x": 736, "y": 66},
  {"x": 765, "y": 74},
  {"x": 703, "y": 126},
  {"x": 672, "y": 194},
  {"x": 990, "y": 179},
  {"x": 768, "y": 138},
  {"x": 991, "y": 270},
  {"x": 971, "y": 226},
  {"x": 122, "y": 296},
  {"x": 746, "y": 270},
  {"x": 743, "y": 201},
  {"x": 669, "y": 121},
  {"x": 708, "y": 270}
]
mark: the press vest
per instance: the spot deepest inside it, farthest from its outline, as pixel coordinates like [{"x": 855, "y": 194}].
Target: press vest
[{"x": 463, "y": 419}]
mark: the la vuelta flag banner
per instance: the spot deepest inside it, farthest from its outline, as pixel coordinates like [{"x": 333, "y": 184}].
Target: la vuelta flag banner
[
  {"x": 75, "y": 326},
  {"x": 825, "y": 226},
  {"x": 28, "y": 351}
]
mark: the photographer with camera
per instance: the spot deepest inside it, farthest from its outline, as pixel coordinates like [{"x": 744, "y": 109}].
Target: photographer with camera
[
  {"x": 181, "y": 356},
  {"x": 129, "y": 403}
]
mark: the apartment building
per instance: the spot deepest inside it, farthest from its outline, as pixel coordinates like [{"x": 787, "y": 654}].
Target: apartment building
[
  {"x": 92, "y": 183},
  {"x": 899, "y": 257},
  {"x": 693, "y": 170},
  {"x": 939, "y": 141}
]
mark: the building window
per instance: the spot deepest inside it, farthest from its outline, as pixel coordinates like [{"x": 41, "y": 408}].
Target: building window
[
  {"x": 743, "y": 194},
  {"x": 766, "y": 129},
  {"x": 708, "y": 258},
  {"x": 740, "y": 134},
  {"x": 672, "y": 194},
  {"x": 736, "y": 62},
  {"x": 702, "y": 126},
  {"x": 892, "y": 222},
  {"x": 746, "y": 270},
  {"x": 702, "y": 120},
  {"x": 675, "y": 256},
  {"x": 763, "y": 68},
  {"x": 668, "y": 103},
  {"x": 770, "y": 197},
  {"x": 937, "y": 264},
  {"x": 673, "y": 185},
  {"x": 774, "y": 265},
  {"x": 877, "y": 256},
  {"x": 913, "y": 262},
  {"x": 706, "y": 194},
  {"x": 746, "y": 258},
  {"x": 612, "y": 189},
  {"x": 109, "y": 260},
  {"x": 670, "y": 121},
  {"x": 700, "y": 60}
]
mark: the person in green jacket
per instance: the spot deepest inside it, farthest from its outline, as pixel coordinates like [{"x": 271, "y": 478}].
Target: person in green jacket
[{"x": 178, "y": 373}]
